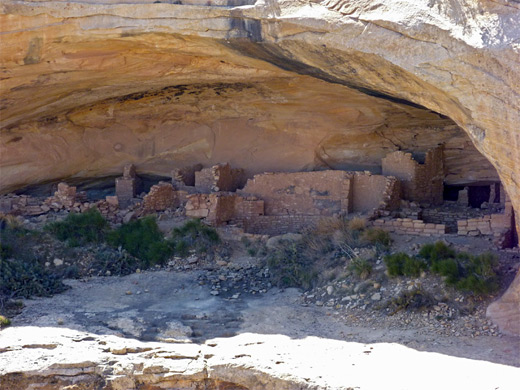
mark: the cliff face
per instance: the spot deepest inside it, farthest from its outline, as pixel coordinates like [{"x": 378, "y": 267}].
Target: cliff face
[{"x": 276, "y": 85}]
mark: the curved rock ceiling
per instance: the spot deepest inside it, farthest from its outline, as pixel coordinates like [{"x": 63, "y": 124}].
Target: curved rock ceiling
[{"x": 88, "y": 86}]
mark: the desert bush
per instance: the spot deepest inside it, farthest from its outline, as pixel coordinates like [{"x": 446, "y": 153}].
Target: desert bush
[
  {"x": 194, "y": 235},
  {"x": 117, "y": 262},
  {"x": 361, "y": 267},
  {"x": 142, "y": 239},
  {"x": 400, "y": 264},
  {"x": 475, "y": 274},
  {"x": 80, "y": 229},
  {"x": 437, "y": 251},
  {"x": 4, "y": 322},
  {"x": 290, "y": 267},
  {"x": 357, "y": 224},
  {"x": 21, "y": 272},
  {"x": 26, "y": 279},
  {"x": 377, "y": 237},
  {"x": 413, "y": 300}
]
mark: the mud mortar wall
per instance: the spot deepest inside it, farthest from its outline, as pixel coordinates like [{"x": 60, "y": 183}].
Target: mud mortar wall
[{"x": 322, "y": 193}]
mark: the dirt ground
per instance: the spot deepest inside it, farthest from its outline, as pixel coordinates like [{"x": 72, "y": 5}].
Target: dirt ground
[{"x": 171, "y": 305}]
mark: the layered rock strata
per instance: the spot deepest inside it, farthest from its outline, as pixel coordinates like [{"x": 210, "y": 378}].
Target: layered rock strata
[{"x": 272, "y": 85}]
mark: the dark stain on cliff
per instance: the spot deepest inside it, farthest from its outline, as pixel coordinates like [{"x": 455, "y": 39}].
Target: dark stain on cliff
[
  {"x": 34, "y": 52},
  {"x": 286, "y": 61},
  {"x": 176, "y": 91}
]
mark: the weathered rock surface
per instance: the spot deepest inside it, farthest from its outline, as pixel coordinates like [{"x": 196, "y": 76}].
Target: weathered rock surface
[
  {"x": 52, "y": 358},
  {"x": 88, "y": 87},
  {"x": 505, "y": 312},
  {"x": 272, "y": 85}
]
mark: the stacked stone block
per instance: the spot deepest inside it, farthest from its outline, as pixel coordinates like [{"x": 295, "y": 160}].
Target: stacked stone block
[
  {"x": 185, "y": 177},
  {"x": 422, "y": 183},
  {"x": 218, "y": 178},
  {"x": 410, "y": 226},
  {"x": 161, "y": 197},
  {"x": 126, "y": 186},
  {"x": 67, "y": 197}
]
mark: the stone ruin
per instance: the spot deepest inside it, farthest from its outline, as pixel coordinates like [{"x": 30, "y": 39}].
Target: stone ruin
[
  {"x": 126, "y": 186},
  {"x": 408, "y": 198},
  {"x": 421, "y": 182}
]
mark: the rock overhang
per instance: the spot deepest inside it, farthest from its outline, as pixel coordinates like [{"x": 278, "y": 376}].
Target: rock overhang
[{"x": 458, "y": 59}]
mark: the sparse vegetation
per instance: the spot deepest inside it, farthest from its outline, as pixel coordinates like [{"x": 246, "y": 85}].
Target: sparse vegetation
[
  {"x": 80, "y": 229},
  {"x": 142, "y": 239},
  {"x": 290, "y": 267},
  {"x": 400, "y": 264},
  {"x": 377, "y": 237},
  {"x": 361, "y": 267},
  {"x": 413, "y": 300},
  {"x": 118, "y": 262},
  {"x": 357, "y": 224},
  {"x": 21, "y": 272},
  {"x": 4, "y": 322},
  {"x": 194, "y": 236},
  {"x": 475, "y": 274}
]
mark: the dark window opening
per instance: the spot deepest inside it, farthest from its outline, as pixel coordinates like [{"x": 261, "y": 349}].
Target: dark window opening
[
  {"x": 451, "y": 193},
  {"x": 478, "y": 195}
]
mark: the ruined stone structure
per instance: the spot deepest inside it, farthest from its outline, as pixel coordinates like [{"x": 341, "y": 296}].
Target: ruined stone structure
[
  {"x": 161, "y": 197},
  {"x": 276, "y": 203},
  {"x": 92, "y": 92},
  {"x": 126, "y": 186},
  {"x": 185, "y": 176},
  {"x": 421, "y": 182},
  {"x": 324, "y": 193},
  {"x": 220, "y": 177}
]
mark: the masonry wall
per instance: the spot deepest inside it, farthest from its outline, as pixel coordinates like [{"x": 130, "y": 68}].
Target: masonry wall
[
  {"x": 410, "y": 226},
  {"x": 302, "y": 193},
  {"x": 279, "y": 224},
  {"x": 371, "y": 192},
  {"x": 162, "y": 196},
  {"x": 422, "y": 183},
  {"x": 185, "y": 176},
  {"x": 223, "y": 207},
  {"x": 219, "y": 177}
]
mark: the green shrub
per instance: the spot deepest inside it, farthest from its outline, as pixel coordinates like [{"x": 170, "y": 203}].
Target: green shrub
[
  {"x": 289, "y": 267},
  {"x": 79, "y": 229},
  {"x": 479, "y": 274},
  {"x": 378, "y": 237},
  {"x": 437, "y": 251},
  {"x": 361, "y": 267},
  {"x": 22, "y": 278},
  {"x": 449, "y": 268},
  {"x": 21, "y": 272},
  {"x": 116, "y": 262},
  {"x": 142, "y": 239},
  {"x": 4, "y": 322},
  {"x": 475, "y": 274},
  {"x": 413, "y": 300},
  {"x": 194, "y": 235},
  {"x": 400, "y": 264}
]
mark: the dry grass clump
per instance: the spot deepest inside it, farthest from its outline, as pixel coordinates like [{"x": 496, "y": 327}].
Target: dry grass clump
[
  {"x": 357, "y": 224},
  {"x": 326, "y": 226},
  {"x": 10, "y": 221}
]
